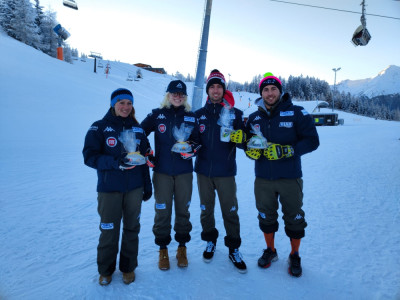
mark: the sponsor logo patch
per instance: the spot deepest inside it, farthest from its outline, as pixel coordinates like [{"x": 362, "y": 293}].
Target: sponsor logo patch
[
  {"x": 286, "y": 124},
  {"x": 257, "y": 118},
  {"x": 161, "y": 206},
  {"x": 203, "y": 117},
  {"x": 188, "y": 119},
  {"x": 109, "y": 129},
  {"x": 137, "y": 129},
  {"x": 202, "y": 128},
  {"x": 287, "y": 113},
  {"x": 162, "y": 128},
  {"x": 107, "y": 226},
  {"x": 93, "y": 128},
  {"x": 161, "y": 116},
  {"x": 111, "y": 142}
]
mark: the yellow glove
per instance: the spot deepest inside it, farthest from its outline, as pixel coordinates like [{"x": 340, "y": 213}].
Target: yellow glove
[
  {"x": 277, "y": 151},
  {"x": 253, "y": 153},
  {"x": 238, "y": 136}
]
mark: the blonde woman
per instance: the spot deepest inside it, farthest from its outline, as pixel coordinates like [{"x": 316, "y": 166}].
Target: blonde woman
[{"x": 173, "y": 171}]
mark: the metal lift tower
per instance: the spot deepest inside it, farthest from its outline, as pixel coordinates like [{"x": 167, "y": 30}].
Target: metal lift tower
[{"x": 202, "y": 57}]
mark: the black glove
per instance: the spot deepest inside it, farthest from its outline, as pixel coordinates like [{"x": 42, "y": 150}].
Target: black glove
[
  {"x": 147, "y": 188},
  {"x": 147, "y": 192},
  {"x": 124, "y": 164},
  {"x": 150, "y": 159},
  {"x": 195, "y": 148}
]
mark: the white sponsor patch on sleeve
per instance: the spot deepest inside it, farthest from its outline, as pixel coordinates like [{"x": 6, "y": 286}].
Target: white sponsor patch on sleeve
[
  {"x": 93, "y": 128},
  {"x": 287, "y": 113},
  {"x": 305, "y": 113}
]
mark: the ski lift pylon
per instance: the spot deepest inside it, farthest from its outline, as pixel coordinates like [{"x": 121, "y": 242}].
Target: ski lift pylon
[{"x": 71, "y": 4}]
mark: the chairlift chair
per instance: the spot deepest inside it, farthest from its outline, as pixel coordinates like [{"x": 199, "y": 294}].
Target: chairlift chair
[
  {"x": 361, "y": 36},
  {"x": 99, "y": 65},
  {"x": 71, "y": 4}
]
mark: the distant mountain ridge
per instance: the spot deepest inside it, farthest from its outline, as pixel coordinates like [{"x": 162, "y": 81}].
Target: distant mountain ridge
[{"x": 387, "y": 82}]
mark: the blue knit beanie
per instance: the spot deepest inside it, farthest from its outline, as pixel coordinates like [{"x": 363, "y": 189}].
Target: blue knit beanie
[{"x": 120, "y": 94}]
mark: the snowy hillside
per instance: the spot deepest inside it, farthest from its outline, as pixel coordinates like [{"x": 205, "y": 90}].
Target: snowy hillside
[
  {"x": 385, "y": 83},
  {"x": 48, "y": 206}
]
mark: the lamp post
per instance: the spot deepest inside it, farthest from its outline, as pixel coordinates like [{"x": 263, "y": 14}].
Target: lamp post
[{"x": 334, "y": 88}]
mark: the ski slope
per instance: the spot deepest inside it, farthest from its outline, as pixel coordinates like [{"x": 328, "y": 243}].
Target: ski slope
[{"x": 48, "y": 206}]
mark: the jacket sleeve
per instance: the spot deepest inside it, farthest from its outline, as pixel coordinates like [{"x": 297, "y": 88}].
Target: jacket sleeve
[
  {"x": 93, "y": 151},
  {"x": 308, "y": 139},
  {"x": 148, "y": 124}
]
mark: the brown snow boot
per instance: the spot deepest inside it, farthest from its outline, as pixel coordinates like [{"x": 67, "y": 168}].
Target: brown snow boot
[
  {"x": 128, "y": 278},
  {"x": 104, "y": 280},
  {"x": 182, "y": 257},
  {"x": 163, "y": 262}
]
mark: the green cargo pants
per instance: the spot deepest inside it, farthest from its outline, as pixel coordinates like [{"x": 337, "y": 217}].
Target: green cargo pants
[
  {"x": 112, "y": 207},
  {"x": 289, "y": 192},
  {"x": 226, "y": 190},
  {"x": 169, "y": 190}
]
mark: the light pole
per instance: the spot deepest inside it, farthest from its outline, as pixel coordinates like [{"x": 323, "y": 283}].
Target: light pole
[{"x": 334, "y": 88}]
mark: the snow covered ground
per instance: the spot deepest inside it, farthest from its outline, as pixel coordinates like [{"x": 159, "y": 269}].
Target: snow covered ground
[{"x": 48, "y": 200}]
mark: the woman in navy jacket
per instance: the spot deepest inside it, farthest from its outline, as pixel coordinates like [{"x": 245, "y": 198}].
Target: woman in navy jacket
[
  {"x": 173, "y": 172},
  {"x": 121, "y": 187}
]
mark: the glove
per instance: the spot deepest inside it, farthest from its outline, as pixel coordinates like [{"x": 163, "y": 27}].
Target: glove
[
  {"x": 123, "y": 164},
  {"x": 147, "y": 188},
  {"x": 195, "y": 148},
  {"x": 253, "y": 153},
  {"x": 147, "y": 192},
  {"x": 277, "y": 151},
  {"x": 150, "y": 159},
  {"x": 238, "y": 136}
]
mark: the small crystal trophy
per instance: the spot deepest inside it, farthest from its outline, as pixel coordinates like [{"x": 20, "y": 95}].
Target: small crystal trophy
[
  {"x": 181, "y": 135},
  {"x": 257, "y": 141},
  {"x": 128, "y": 139},
  {"x": 225, "y": 121}
]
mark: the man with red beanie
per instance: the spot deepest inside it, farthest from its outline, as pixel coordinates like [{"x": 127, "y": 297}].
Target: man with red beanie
[
  {"x": 290, "y": 133},
  {"x": 216, "y": 168}
]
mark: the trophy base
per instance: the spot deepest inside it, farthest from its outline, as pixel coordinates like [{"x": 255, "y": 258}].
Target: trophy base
[
  {"x": 226, "y": 134},
  {"x": 135, "y": 159},
  {"x": 181, "y": 147},
  {"x": 257, "y": 142}
]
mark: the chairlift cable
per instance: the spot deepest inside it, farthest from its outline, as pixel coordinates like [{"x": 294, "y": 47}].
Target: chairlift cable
[{"x": 329, "y": 8}]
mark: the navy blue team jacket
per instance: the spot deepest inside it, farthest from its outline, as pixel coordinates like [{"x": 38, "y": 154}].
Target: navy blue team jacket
[
  {"x": 162, "y": 121},
  {"x": 103, "y": 152},
  {"x": 288, "y": 124}
]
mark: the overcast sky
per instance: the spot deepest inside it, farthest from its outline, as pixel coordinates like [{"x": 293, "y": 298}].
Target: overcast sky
[{"x": 247, "y": 38}]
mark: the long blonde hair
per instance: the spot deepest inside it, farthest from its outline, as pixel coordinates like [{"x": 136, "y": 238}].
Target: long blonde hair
[{"x": 167, "y": 104}]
